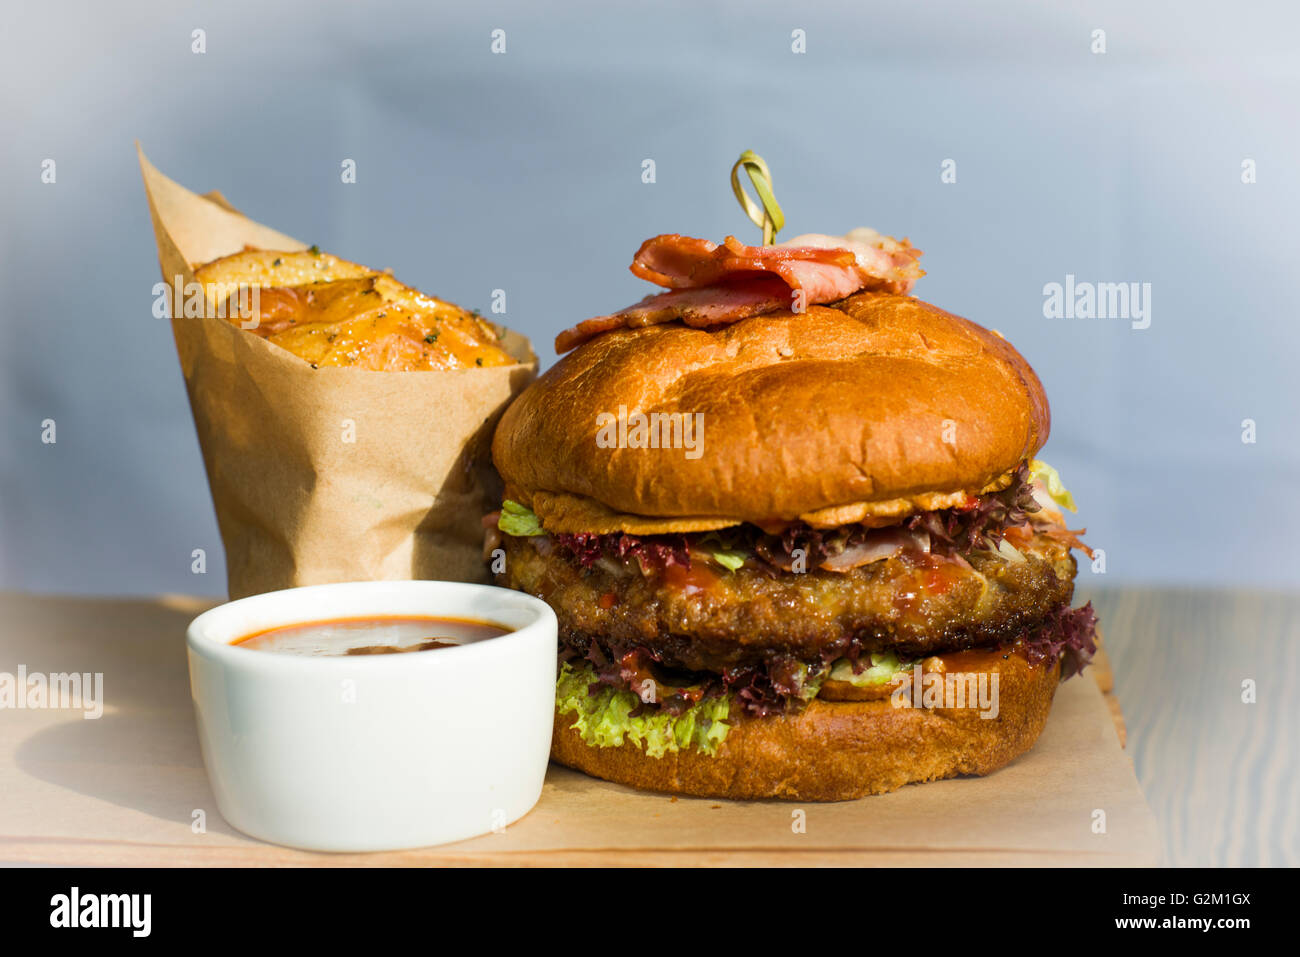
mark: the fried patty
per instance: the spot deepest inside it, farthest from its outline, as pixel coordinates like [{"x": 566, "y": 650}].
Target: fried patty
[{"x": 700, "y": 619}]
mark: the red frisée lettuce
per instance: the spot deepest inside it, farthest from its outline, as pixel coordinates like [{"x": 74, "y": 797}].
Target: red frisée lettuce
[
  {"x": 653, "y": 551},
  {"x": 981, "y": 524},
  {"x": 955, "y": 533},
  {"x": 782, "y": 683},
  {"x": 1071, "y": 634}
]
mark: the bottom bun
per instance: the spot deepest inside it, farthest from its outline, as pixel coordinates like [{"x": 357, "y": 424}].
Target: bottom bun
[{"x": 839, "y": 750}]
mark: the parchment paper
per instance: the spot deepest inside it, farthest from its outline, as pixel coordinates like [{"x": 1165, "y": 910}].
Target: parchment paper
[
  {"x": 297, "y": 503},
  {"x": 125, "y": 789}
]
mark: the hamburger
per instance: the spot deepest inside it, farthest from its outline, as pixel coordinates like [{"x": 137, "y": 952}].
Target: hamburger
[{"x": 804, "y": 553}]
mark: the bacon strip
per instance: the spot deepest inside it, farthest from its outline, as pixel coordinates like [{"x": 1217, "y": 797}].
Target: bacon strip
[
  {"x": 682, "y": 262},
  {"x": 713, "y": 285},
  {"x": 1070, "y": 537},
  {"x": 700, "y": 308}
]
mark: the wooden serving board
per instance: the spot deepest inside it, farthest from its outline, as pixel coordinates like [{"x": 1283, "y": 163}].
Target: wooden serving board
[{"x": 129, "y": 788}]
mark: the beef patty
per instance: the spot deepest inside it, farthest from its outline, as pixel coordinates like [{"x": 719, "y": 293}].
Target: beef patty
[{"x": 702, "y": 619}]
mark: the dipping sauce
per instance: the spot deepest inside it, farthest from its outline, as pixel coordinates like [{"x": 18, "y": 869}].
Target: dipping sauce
[{"x": 370, "y": 636}]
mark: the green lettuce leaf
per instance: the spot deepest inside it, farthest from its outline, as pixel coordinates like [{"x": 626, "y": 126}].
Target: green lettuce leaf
[
  {"x": 1051, "y": 480},
  {"x": 730, "y": 559},
  {"x": 519, "y": 520},
  {"x": 884, "y": 665},
  {"x": 604, "y": 720}
]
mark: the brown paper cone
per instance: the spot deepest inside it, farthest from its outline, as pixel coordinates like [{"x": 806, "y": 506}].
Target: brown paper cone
[{"x": 296, "y": 502}]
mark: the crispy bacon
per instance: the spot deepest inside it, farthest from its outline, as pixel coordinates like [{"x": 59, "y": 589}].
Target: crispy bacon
[
  {"x": 818, "y": 264},
  {"x": 1070, "y": 537},
  {"x": 883, "y": 262},
  {"x": 715, "y": 284},
  {"x": 699, "y": 308},
  {"x": 683, "y": 262}
]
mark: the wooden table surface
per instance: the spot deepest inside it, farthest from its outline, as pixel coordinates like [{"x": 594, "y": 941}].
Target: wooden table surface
[{"x": 1221, "y": 776}]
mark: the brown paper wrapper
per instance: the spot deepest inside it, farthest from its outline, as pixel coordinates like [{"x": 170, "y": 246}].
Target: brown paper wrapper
[{"x": 296, "y": 503}]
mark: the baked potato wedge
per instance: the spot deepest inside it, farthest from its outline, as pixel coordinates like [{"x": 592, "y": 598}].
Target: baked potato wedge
[{"x": 331, "y": 312}]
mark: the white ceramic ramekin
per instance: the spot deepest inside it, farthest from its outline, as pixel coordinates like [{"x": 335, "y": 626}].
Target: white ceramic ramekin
[{"x": 375, "y": 752}]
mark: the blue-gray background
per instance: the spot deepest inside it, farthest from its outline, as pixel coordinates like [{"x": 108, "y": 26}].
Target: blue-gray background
[{"x": 522, "y": 171}]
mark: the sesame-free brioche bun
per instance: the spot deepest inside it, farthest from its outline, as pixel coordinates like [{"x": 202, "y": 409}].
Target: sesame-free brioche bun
[
  {"x": 839, "y": 750},
  {"x": 879, "y": 405}
]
